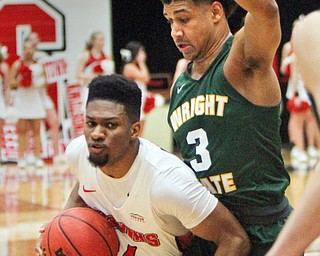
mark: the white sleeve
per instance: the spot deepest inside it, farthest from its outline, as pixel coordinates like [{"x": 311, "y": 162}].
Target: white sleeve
[{"x": 178, "y": 193}]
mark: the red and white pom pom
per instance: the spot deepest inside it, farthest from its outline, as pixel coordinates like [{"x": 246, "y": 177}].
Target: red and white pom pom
[
  {"x": 107, "y": 66},
  {"x": 24, "y": 75}
]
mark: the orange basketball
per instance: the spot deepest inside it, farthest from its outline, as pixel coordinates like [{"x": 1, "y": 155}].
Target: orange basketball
[{"x": 80, "y": 231}]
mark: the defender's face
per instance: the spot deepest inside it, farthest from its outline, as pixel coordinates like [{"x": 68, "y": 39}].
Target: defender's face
[
  {"x": 191, "y": 27},
  {"x": 107, "y": 131}
]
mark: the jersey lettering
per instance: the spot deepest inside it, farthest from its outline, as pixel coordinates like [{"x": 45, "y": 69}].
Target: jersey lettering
[
  {"x": 219, "y": 184},
  {"x": 209, "y": 105},
  {"x": 149, "y": 238}
]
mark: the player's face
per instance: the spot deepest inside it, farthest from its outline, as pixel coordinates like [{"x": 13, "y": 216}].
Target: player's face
[
  {"x": 108, "y": 132},
  {"x": 192, "y": 27}
]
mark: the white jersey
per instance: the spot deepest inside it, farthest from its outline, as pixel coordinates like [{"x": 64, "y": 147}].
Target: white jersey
[{"x": 156, "y": 201}]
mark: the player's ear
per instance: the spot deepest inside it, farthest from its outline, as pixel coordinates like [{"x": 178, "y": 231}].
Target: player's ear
[
  {"x": 135, "y": 130},
  {"x": 217, "y": 11}
]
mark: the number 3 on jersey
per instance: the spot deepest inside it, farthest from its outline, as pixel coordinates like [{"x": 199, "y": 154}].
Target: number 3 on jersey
[{"x": 201, "y": 150}]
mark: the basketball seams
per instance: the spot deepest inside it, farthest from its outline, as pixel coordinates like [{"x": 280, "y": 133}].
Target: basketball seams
[
  {"x": 48, "y": 236},
  {"x": 67, "y": 214},
  {"x": 65, "y": 235},
  {"x": 80, "y": 231}
]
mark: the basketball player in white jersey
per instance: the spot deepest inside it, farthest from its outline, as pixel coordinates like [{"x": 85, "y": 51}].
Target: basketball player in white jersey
[
  {"x": 154, "y": 200},
  {"x": 303, "y": 225}
]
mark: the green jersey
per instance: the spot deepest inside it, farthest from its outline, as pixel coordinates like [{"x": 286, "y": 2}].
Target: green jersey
[{"x": 233, "y": 145}]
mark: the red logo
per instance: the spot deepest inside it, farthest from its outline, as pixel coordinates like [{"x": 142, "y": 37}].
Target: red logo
[
  {"x": 136, "y": 217},
  {"x": 20, "y": 17},
  {"x": 88, "y": 190}
]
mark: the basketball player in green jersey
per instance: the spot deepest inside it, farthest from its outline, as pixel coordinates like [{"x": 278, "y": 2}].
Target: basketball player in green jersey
[{"x": 224, "y": 111}]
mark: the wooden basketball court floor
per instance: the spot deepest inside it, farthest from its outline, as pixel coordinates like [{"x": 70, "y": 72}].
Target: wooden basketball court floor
[{"x": 30, "y": 197}]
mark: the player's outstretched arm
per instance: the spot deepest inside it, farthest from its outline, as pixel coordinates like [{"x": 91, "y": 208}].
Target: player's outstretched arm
[
  {"x": 261, "y": 31},
  {"x": 249, "y": 64},
  {"x": 225, "y": 230}
]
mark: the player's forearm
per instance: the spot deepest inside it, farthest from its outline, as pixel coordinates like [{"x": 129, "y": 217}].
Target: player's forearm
[
  {"x": 294, "y": 240},
  {"x": 260, "y": 8},
  {"x": 231, "y": 238},
  {"x": 74, "y": 199},
  {"x": 237, "y": 246}
]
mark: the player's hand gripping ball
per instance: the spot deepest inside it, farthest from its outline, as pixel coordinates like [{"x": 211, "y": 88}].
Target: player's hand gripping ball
[{"x": 79, "y": 231}]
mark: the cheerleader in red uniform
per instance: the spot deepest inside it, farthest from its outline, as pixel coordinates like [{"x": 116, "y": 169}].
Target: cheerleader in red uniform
[
  {"x": 93, "y": 62},
  {"x": 52, "y": 118},
  {"x": 28, "y": 76}
]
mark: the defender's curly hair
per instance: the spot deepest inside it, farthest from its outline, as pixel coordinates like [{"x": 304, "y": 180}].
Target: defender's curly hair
[{"x": 118, "y": 89}]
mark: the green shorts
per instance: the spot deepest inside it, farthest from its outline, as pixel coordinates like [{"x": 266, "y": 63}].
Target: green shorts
[{"x": 261, "y": 237}]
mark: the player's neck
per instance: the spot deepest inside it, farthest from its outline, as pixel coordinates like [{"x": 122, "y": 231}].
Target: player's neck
[{"x": 199, "y": 67}]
